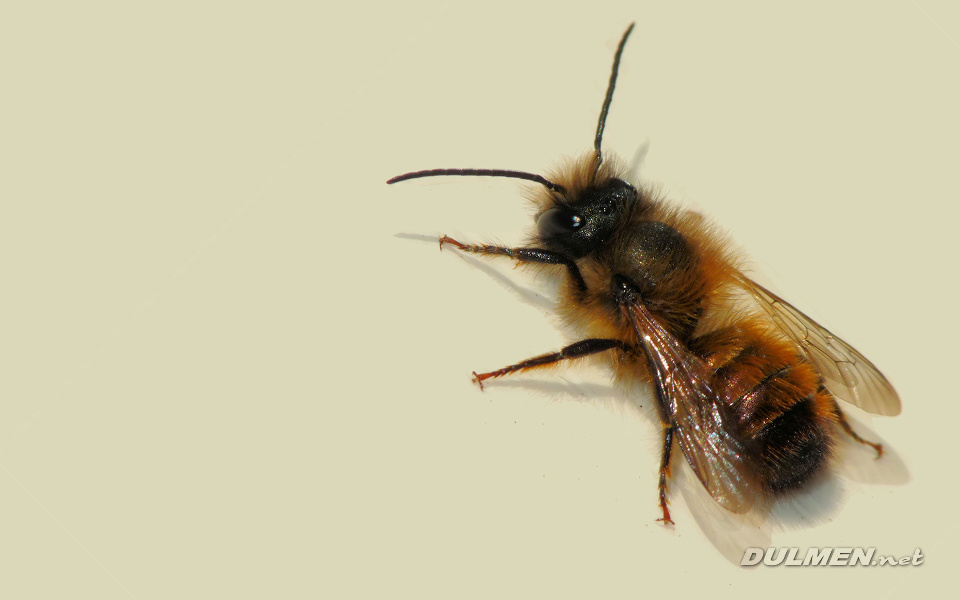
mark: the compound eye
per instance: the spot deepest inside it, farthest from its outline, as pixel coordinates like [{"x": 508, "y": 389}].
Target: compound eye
[{"x": 558, "y": 221}]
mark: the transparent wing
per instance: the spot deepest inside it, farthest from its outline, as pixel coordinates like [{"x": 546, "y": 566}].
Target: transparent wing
[
  {"x": 703, "y": 424},
  {"x": 846, "y": 373}
]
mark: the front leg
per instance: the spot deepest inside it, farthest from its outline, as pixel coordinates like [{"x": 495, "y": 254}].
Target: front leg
[
  {"x": 523, "y": 255},
  {"x": 577, "y": 350}
]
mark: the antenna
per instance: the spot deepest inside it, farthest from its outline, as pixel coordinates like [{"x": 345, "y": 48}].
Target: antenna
[
  {"x": 553, "y": 187},
  {"x": 609, "y": 97}
]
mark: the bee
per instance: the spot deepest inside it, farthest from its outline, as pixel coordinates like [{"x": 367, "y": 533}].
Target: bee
[{"x": 746, "y": 388}]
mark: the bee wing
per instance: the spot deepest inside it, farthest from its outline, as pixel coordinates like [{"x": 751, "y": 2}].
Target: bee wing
[
  {"x": 704, "y": 426},
  {"x": 846, "y": 373}
]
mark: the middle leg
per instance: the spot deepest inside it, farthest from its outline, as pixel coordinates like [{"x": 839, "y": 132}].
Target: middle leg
[{"x": 577, "y": 350}]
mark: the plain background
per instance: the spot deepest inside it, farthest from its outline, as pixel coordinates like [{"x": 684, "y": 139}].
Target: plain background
[{"x": 225, "y": 374}]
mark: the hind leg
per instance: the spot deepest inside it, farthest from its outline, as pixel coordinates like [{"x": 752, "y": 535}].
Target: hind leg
[
  {"x": 664, "y": 473},
  {"x": 846, "y": 427}
]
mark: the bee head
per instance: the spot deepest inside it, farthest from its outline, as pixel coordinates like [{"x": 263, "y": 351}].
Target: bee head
[{"x": 584, "y": 213}]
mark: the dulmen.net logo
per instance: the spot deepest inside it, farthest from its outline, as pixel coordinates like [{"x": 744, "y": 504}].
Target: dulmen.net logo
[{"x": 826, "y": 557}]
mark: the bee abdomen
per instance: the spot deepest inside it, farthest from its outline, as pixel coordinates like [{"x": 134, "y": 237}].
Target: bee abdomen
[
  {"x": 796, "y": 445},
  {"x": 785, "y": 415}
]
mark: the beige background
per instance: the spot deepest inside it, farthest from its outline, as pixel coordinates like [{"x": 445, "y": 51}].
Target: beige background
[{"x": 225, "y": 375}]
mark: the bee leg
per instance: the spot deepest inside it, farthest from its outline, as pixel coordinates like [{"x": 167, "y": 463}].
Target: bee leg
[
  {"x": 846, "y": 427},
  {"x": 577, "y": 350},
  {"x": 522, "y": 255},
  {"x": 664, "y": 473}
]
